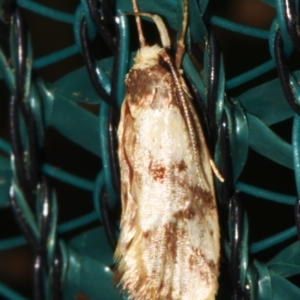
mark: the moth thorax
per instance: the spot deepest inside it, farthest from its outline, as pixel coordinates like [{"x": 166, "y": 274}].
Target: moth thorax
[{"x": 146, "y": 57}]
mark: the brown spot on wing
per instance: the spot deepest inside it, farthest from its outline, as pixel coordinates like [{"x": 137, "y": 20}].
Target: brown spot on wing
[
  {"x": 170, "y": 239},
  {"x": 146, "y": 234},
  {"x": 212, "y": 266},
  {"x": 181, "y": 166},
  {"x": 158, "y": 171},
  {"x": 206, "y": 197},
  {"x": 187, "y": 213},
  {"x": 196, "y": 260}
]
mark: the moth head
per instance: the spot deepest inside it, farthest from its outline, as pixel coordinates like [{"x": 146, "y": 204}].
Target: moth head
[{"x": 147, "y": 57}]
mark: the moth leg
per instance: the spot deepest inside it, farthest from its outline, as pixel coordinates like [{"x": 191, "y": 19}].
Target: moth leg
[{"x": 216, "y": 170}]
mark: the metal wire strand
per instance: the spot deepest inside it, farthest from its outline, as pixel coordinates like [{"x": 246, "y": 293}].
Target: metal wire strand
[
  {"x": 106, "y": 220},
  {"x": 115, "y": 76},
  {"x": 291, "y": 14},
  {"x": 237, "y": 229},
  {"x": 20, "y": 73},
  {"x": 113, "y": 119},
  {"x": 19, "y": 217},
  {"x": 284, "y": 74},
  {"x": 21, "y": 56},
  {"x": 109, "y": 99},
  {"x": 45, "y": 229},
  {"x": 17, "y": 149},
  {"x": 40, "y": 249},
  {"x": 28, "y": 171},
  {"x": 34, "y": 153},
  {"x": 226, "y": 189},
  {"x": 229, "y": 198},
  {"x": 214, "y": 70},
  {"x": 44, "y": 222},
  {"x": 90, "y": 63},
  {"x": 101, "y": 24},
  {"x": 297, "y": 216},
  {"x": 112, "y": 150},
  {"x": 28, "y": 180},
  {"x": 38, "y": 279},
  {"x": 57, "y": 272}
]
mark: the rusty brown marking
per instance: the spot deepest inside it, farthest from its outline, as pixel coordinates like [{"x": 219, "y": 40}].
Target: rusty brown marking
[
  {"x": 158, "y": 171},
  {"x": 205, "y": 196},
  {"x": 146, "y": 234},
  {"x": 181, "y": 166},
  {"x": 212, "y": 266},
  {"x": 195, "y": 257},
  {"x": 143, "y": 83},
  {"x": 170, "y": 240},
  {"x": 188, "y": 213},
  {"x": 193, "y": 261}
]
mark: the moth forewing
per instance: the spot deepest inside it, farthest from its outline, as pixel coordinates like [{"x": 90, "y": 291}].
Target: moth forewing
[{"x": 169, "y": 240}]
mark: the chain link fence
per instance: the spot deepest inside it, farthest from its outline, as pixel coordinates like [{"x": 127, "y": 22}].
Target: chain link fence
[{"x": 62, "y": 70}]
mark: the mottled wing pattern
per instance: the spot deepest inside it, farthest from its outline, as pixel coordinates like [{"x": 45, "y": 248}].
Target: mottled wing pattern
[{"x": 169, "y": 243}]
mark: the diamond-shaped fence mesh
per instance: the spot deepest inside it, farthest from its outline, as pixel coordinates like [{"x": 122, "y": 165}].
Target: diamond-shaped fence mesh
[{"x": 62, "y": 70}]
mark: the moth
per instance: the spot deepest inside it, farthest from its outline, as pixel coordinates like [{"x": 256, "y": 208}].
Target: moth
[{"x": 169, "y": 241}]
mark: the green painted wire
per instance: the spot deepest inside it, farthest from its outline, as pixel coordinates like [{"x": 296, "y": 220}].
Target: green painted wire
[
  {"x": 275, "y": 197},
  {"x": 68, "y": 178},
  {"x": 273, "y": 240},
  {"x": 234, "y": 82},
  {"x": 250, "y": 31},
  {"x": 56, "y": 172},
  {"x": 78, "y": 222},
  {"x": 236, "y": 27},
  {"x": 62, "y": 228},
  {"x": 251, "y": 74},
  {"x": 99, "y": 184},
  {"x": 282, "y": 22},
  {"x": 296, "y": 152},
  {"x": 46, "y": 11},
  {"x": 24, "y": 208},
  {"x": 103, "y": 122},
  {"x": 265, "y": 194},
  {"x": 12, "y": 243},
  {"x": 123, "y": 57},
  {"x": 6, "y": 72},
  {"x": 8, "y": 293},
  {"x": 55, "y": 57},
  {"x": 5, "y": 146}
]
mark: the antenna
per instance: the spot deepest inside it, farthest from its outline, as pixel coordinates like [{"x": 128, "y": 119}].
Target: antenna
[
  {"x": 138, "y": 24},
  {"x": 180, "y": 43}
]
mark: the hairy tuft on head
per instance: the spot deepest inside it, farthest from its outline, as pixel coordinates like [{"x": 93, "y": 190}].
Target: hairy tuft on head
[{"x": 147, "y": 57}]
